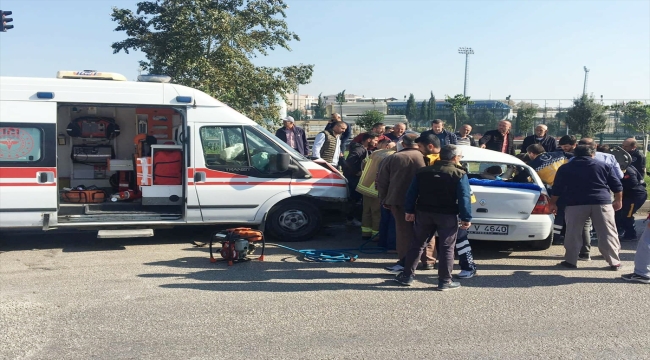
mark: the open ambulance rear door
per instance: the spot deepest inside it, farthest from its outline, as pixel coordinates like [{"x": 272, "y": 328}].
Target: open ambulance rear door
[{"x": 28, "y": 182}]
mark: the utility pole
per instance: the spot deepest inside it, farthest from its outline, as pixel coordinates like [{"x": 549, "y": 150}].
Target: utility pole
[
  {"x": 584, "y": 88},
  {"x": 467, "y": 51}
]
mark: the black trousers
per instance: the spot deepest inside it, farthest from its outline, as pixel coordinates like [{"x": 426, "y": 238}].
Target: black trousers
[{"x": 426, "y": 224}]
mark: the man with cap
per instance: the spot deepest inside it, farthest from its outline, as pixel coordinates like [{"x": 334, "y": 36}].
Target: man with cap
[
  {"x": 540, "y": 137},
  {"x": 293, "y": 135}
]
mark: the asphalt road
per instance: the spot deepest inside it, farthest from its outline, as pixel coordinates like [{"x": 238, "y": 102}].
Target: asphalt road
[{"x": 72, "y": 296}]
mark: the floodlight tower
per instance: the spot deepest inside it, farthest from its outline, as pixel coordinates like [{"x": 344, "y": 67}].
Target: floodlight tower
[
  {"x": 584, "y": 88},
  {"x": 467, "y": 51}
]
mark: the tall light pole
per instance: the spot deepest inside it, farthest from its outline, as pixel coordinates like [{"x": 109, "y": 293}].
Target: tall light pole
[
  {"x": 467, "y": 51},
  {"x": 584, "y": 88}
]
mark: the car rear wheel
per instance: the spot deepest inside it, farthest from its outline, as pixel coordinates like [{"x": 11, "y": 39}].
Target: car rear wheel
[
  {"x": 542, "y": 244},
  {"x": 293, "y": 220}
]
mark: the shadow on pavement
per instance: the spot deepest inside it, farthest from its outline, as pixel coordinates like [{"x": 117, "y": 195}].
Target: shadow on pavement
[{"x": 525, "y": 279}]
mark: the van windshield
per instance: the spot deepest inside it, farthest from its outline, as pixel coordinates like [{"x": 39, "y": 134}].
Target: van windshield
[{"x": 284, "y": 145}]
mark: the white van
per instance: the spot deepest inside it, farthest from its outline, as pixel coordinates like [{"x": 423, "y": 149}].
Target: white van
[{"x": 77, "y": 152}]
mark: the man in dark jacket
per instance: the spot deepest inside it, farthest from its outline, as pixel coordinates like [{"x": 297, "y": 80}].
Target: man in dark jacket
[
  {"x": 638, "y": 157},
  {"x": 438, "y": 129},
  {"x": 345, "y": 136},
  {"x": 352, "y": 169},
  {"x": 500, "y": 140},
  {"x": 293, "y": 135},
  {"x": 585, "y": 184},
  {"x": 393, "y": 180},
  {"x": 634, "y": 196},
  {"x": 437, "y": 196},
  {"x": 541, "y": 137}
]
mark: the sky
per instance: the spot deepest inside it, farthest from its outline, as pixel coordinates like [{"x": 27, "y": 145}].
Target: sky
[{"x": 529, "y": 49}]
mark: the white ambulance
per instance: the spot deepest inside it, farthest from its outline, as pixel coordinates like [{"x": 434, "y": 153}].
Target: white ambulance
[{"x": 90, "y": 150}]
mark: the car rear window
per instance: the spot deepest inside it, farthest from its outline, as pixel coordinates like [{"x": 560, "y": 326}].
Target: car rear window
[{"x": 498, "y": 171}]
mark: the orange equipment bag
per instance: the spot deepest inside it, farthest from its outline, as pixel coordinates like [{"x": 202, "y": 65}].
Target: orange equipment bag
[
  {"x": 249, "y": 234},
  {"x": 167, "y": 167},
  {"x": 84, "y": 196}
]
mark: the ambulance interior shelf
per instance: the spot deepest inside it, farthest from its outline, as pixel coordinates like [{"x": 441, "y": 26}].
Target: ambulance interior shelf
[{"x": 91, "y": 147}]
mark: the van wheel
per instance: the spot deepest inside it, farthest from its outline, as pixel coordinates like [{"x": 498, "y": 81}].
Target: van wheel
[
  {"x": 542, "y": 244},
  {"x": 293, "y": 220}
]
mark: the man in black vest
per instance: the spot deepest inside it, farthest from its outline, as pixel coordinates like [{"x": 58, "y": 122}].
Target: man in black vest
[{"x": 437, "y": 196}]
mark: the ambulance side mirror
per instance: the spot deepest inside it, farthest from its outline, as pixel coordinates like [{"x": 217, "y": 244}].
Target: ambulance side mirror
[{"x": 282, "y": 162}]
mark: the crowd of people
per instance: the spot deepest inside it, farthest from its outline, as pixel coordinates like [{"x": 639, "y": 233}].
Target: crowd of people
[{"x": 412, "y": 194}]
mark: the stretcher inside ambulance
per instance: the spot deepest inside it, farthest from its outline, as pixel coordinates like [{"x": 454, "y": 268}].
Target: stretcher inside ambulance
[{"x": 121, "y": 155}]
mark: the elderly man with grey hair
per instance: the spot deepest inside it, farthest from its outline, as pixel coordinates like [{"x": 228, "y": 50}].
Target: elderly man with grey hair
[
  {"x": 438, "y": 195},
  {"x": 541, "y": 137},
  {"x": 398, "y": 132}
]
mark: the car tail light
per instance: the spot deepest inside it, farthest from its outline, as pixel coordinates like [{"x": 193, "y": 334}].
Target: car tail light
[{"x": 543, "y": 206}]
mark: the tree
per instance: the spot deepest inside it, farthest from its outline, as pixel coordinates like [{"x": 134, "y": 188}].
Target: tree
[
  {"x": 209, "y": 45},
  {"x": 319, "y": 111},
  {"x": 411, "y": 109},
  {"x": 374, "y": 102},
  {"x": 369, "y": 119},
  {"x": 431, "y": 114},
  {"x": 340, "y": 99},
  {"x": 424, "y": 110},
  {"x": 636, "y": 117},
  {"x": 586, "y": 117},
  {"x": 295, "y": 114},
  {"x": 526, "y": 118},
  {"x": 561, "y": 118},
  {"x": 457, "y": 106}
]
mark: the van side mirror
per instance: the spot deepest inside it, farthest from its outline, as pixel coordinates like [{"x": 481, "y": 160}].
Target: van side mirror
[{"x": 282, "y": 162}]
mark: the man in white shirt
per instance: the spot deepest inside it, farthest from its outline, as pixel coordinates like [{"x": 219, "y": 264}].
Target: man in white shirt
[
  {"x": 608, "y": 159},
  {"x": 327, "y": 144}
]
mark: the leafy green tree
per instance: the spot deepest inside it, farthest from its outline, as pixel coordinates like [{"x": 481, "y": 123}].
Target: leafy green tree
[
  {"x": 411, "y": 109},
  {"x": 431, "y": 113},
  {"x": 340, "y": 99},
  {"x": 457, "y": 106},
  {"x": 586, "y": 117},
  {"x": 526, "y": 118},
  {"x": 319, "y": 111},
  {"x": 210, "y": 45},
  {"x": 369, "y": 119},
  {"x": 636, "y": 117},
  {"x": 424, "y": 111}
]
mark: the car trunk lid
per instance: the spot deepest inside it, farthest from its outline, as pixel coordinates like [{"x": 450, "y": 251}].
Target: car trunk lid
[{"x": 504, "y": 202}]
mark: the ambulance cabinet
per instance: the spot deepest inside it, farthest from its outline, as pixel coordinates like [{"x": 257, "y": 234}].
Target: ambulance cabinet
[{"x": 167, "y": 176}]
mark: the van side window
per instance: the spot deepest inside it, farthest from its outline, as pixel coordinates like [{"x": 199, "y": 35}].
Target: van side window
[
  {"x": 263, "y": 152},
  {"x": 20, "y": 144},
  {"x": 223, "y": 146}
]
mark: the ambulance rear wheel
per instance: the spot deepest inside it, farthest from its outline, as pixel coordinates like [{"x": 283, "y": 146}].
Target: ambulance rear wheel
[{"x": 293, "y": 220}]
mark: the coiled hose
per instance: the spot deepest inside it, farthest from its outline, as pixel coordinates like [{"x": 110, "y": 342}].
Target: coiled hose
[{"x": 336, "y": 255}]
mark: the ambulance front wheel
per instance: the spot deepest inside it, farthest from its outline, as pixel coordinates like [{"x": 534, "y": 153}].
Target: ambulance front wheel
[{"x": 293, "y": 220}]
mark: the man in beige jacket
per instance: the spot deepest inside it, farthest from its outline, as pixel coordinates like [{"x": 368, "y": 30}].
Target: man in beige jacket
[{"x": 394, "y": 178}]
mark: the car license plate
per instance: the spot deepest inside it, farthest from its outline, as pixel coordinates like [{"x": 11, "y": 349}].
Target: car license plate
[{"x": 484, "y": 229}]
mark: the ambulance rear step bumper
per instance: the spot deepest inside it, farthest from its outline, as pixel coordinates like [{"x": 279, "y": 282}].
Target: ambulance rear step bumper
[{"x": 127, "y": 233}]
